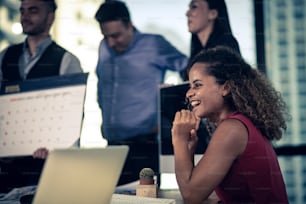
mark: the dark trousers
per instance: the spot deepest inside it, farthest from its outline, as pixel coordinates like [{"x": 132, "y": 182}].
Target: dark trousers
[
  {"x": 143, "y": 153},
  {"x": 17, "y": 172}
]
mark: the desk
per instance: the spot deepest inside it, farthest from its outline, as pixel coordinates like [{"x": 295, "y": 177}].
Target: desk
[{"x": 173, "y": 196}]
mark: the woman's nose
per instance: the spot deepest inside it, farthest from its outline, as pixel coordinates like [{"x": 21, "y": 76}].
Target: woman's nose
[{"x": 189, "y": 94}]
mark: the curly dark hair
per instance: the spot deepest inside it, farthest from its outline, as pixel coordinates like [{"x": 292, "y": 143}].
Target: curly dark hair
[{"x": 252, "y": 94}]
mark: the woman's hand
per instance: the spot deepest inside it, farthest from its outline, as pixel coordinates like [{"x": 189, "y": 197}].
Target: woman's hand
[
  {"x": 184, "y": 129},
  {"x": 193, "y": 141},
  {"x": 41, "y": 153}
]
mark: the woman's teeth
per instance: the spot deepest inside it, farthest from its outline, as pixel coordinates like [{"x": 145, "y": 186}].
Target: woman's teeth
[{"x": 195, "y": 103}]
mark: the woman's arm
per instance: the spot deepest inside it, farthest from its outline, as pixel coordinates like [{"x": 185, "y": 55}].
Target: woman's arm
[{"x": 196, "y": 183}]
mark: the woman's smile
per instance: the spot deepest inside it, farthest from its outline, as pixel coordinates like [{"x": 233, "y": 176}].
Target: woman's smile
[{"x": 194, "y": 103}]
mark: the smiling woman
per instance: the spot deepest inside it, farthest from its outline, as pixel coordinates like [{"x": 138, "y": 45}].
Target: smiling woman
[{"x": 225, "y": 90}]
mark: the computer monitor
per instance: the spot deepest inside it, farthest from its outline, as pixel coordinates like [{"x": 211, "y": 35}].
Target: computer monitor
[{"x": 171, "y": 100}]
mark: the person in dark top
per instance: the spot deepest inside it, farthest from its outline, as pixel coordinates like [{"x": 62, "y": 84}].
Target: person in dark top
[{"x": 209, "y": 26}]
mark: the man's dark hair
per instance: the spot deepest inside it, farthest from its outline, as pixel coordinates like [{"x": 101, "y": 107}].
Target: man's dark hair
[
  {"x": 113, "y": 11},
  {"x": 51, "y": 3}
]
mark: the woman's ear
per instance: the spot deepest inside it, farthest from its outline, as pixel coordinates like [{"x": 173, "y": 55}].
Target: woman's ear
[
  {"x": 213, "y": 14},
  {"x": 226, "y": 89}
]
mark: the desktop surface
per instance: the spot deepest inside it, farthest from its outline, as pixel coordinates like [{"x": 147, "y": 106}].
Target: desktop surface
[
  {"x": 128, "y": 192},
  {"x": 164, "y": 197}
]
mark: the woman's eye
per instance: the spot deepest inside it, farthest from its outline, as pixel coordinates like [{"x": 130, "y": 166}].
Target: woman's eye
[
  {"x": 197, "y": 85},
  {"x": 192, "y": 7}
]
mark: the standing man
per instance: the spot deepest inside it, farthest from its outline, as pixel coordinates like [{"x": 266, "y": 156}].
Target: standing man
[
  {"x": 38, "y": 56},
  {"x": 131, "y": 66}
]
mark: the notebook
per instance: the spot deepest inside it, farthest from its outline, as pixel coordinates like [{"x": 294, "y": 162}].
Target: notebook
[{"x": 78, "y": 176}]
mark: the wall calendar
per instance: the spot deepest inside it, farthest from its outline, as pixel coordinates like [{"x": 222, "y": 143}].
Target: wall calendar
[{"x": 48, "y": 113}]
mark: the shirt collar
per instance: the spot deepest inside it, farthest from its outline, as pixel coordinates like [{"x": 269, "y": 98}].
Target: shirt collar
[
  {"x": 135, "y": 37},
  {"x": 41, "y": 46}
]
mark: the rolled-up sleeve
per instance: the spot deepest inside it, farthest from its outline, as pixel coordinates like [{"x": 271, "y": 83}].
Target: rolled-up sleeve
[{"x": 70, "y": 64}]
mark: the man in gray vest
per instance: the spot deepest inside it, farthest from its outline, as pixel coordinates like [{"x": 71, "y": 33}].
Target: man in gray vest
[{"x": 38, "y": 56}]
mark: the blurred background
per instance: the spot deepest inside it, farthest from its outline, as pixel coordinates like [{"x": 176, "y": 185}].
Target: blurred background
[{"x": 272, "y": 38}]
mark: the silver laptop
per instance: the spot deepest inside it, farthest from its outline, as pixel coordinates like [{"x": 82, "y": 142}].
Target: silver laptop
[{"x": 78, "y": 176}]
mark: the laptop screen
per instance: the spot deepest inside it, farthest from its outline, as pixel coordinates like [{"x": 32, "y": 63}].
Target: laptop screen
[{"x": 78, "y": 176}]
